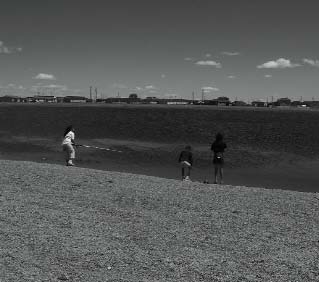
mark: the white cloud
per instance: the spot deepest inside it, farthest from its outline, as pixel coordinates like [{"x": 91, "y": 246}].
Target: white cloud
[
  {"x": 268, "y": 75},
  {"x": 8, "y": 50},
  {"x": 163, "y": 75},
  {"x": 56, "y": 86},
  {"x": 208, "y": 55},
  {"x": 4, "y": 49},
  {"x": 188, "y": 59},
  {"x": 314, "y": 63},
  {"x": 12, "y": 86},
  {"x": 231, "y": 76},
  {"x": 51, "y": 88},
  {"x": 230, "y": 53},
  {"x": 209, "y": 63},
  {"x": 208, "y": 89},
  {"x": 278, "y": 64},
  {"x": 150, "y": 87},
  {"x": 45, "y": 76}
]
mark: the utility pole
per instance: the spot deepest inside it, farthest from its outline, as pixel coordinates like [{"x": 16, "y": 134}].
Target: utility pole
[
  {"x": 203, "y": 96},
  {"x": 91, "y": 93},
  {"x": 193, "y": 96},
  {"x": 95, "y": 94}
]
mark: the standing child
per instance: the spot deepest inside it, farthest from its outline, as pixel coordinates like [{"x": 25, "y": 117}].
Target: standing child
[
  {"x": 186, "y": 161},
  {"x": 67, "y": 145},
  {"x": 218, "y": 147}
]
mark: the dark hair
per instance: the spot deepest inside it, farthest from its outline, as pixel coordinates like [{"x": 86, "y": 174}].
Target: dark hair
[
  {"x": 67, "y": 130},
  {"x": 219, "y": 137},
  {"x": 188, "y": 148}
]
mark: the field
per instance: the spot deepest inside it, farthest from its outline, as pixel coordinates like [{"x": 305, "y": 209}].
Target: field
[{"x": 273, "y": 144}]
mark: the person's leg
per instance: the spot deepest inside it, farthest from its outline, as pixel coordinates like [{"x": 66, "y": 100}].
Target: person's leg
[
  {"x": 189, "y": 171},
  {"x": 70, "y": 154},
  {"x": 216, "y": 173},
  {"x": 183, "y": 173},
  {"x": 221, "y": 175},
  {"x": 66, "y": 153}
]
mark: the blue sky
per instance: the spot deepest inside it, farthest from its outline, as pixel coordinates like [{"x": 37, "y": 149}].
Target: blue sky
[{"x": 245, "y": 49}]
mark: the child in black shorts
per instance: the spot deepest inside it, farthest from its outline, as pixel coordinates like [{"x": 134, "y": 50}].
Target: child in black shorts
[{"x": 186, "y": 161}]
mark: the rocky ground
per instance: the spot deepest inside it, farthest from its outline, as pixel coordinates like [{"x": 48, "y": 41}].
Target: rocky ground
[{"x": 75, "y": 224}]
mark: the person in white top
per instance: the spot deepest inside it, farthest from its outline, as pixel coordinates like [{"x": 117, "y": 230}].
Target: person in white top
[{"x": 68, "y": 145}]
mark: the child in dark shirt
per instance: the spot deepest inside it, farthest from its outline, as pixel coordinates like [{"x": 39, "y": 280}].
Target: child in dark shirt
[
  {"x": 218, "y": 147},
  {"x": 186, "y": 161}
]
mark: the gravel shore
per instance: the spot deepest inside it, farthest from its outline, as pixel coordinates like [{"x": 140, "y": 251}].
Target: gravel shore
[{"x": 75, "y": 224}]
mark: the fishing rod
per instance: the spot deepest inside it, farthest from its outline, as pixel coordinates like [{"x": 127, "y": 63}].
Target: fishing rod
[{"x": 99, "y": 148}]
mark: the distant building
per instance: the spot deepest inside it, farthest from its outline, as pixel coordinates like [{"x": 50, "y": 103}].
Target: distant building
[
  {"x": 220, "y": 101},
  {"x": 298, "y": 104},
  {"x": 116, "y": 100},
  {"x": 133, "y": 99},
  {"x": 239, "y": 104},
  {"x": 151, "y": 100},
  {"x": 98, "y": 100},
  {"x": 44, "y": 99},
  {"x": 74, "y": 99},
  {"x": 10, "y": 99},
  {"x": 312, "y": 104},
  {"x": 259, "y": 104},
  {"x": 197, "y": 102},
  {"x": 30, "y": 99},
  {"x": 282, "y": 102},
  {"x": 59, "y": 99},
  {"x": 176, "y": 101},
  {"x": 120, "y": 100}
]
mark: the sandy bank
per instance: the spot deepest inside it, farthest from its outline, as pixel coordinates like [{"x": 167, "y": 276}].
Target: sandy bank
[{"x": 77, "y": 224}]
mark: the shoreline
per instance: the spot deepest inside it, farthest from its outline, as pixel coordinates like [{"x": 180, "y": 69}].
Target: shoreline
[{"x": 301, "y": 177}]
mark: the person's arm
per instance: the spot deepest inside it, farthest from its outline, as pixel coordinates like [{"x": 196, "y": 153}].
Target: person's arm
[
  {"x": 212, "y": 151},
  {"x": 191, "y": 159},
  {"x": 72, "y": 139}
]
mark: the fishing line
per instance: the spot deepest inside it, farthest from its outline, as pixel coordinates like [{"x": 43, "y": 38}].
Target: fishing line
[{"x": 99, "y": 148}]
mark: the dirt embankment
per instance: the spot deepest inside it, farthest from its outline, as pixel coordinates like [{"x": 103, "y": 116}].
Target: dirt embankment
[{"x": 76, "y": 224}]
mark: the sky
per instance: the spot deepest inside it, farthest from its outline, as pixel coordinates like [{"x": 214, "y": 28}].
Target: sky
[{"x": 245, "y": 50}]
